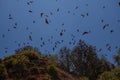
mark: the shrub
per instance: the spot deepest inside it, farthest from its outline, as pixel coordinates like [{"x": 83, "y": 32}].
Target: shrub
[
  {"x": 117, "y": 71},
  {"x": 3, "y": 72},
  {"x": 108, "y": 76},
  {"x": 31, "y": 55},
  {"x": 34, "y": 71},
  {"x": 16, "y": 66},
  {"x": 52, "y": 72},
  {"x": 84, "y": 78},
  {"x": 111, "y": 75},
  {"x": 27, "y": 48}
]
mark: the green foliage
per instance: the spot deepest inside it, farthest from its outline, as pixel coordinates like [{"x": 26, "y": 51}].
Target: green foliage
[
  {"x": 110, "y": 75},
  {"x": 18, "y": 65},
  {"x": 116, "y": 71},
  {"x": 117, "y": 57},
  {"x": 104, "y": 65},
  {"x": 82, "y": 60},
  {"x": 0, "y": 60},
  {"x": 53, "y": 73},
  {"x": 26, "y": 64},
  {"x": 64, "y": 59},
  {"x": 84, "y": 78},
  {"x": 51, "y": 70},
  {"x": 31, "y": 55},
  {"x": 34, "y": 71},
  {"x": 11, "y": 61},
  {"x": 3, "y": 71},
  {"x": 85, "y": 60},
  {"x": 27, "y": 48}
]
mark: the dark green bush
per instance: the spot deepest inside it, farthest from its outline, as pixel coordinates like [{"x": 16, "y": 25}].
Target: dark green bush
[
  {"x": 34, "y": 71},
  {"x": 17, "y": 66},
  {"x": 52, "y": 72},
  {"x": 31, "y": 55},
  {"x": 84, "y": 78},
  {"x": 111, "y": 75},
  {"x": 108, "y": 76},
  {"x": 3, "y": 72}
]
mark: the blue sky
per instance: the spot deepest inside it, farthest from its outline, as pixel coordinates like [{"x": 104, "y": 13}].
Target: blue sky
[{"x": 85, "y": 15}]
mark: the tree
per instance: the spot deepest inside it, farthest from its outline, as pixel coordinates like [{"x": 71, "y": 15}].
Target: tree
[
  {"x": 104, "y": 65},
  {"x": 3, "y": 71},
  {"x": 64, "y": 59},
  {"x": 82, "y": 60},
  {"x": 110, "y": 75},
  {"x": 117, "y": 57},
  {"x": 85, "y": 60}
]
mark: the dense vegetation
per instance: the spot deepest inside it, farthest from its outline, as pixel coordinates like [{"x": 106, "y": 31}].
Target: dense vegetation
[
  {"x": 80, "y": 63},
  {"x": 83, "y": 61},
  {"x": 27, "y": 64}
]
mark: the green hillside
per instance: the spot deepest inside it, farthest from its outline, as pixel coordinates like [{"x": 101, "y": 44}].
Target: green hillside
[{"x": 29, "y": 64}]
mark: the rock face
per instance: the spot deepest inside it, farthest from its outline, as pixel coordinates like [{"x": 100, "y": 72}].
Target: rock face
[{"x": 29, "y": 65}]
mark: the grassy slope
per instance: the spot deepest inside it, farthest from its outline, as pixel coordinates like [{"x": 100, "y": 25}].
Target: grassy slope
[{"x": 29, "y": 65}]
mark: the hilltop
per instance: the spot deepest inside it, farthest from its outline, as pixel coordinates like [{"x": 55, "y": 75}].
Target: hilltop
[{"x": 30, "y": 65}]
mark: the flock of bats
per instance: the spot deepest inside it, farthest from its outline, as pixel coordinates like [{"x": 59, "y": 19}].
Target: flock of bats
[{"x": 61, "y": 33}]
